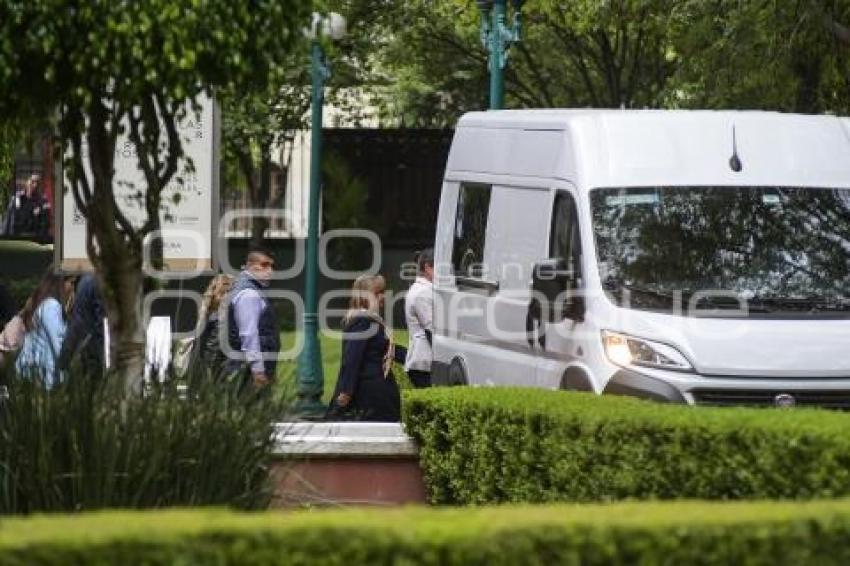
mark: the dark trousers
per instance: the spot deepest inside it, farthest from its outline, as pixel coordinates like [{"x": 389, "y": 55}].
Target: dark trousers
[{"x": 419, "y": 378}]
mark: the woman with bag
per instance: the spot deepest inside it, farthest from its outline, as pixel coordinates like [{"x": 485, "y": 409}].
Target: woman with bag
[
  {"x": 44, "y": 318},
  {"x": 208, "y": 349},
  {"x": 205, "y": 347},
  {"x": 366, "y": 389}
]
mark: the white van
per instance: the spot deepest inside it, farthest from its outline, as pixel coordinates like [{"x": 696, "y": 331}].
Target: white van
[{"x": 689, "y": 256}]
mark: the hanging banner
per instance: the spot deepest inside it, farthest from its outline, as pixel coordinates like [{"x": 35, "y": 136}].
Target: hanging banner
[{"x": 189, "y": 210}]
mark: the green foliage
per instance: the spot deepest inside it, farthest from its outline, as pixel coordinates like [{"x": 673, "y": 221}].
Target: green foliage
[
  {"x": 631, "y": 533},
  {"x": 433, "y": 66},
  {"x": 344, "y": 195},
  {"x": 527, "y": 445},
  {"x": 20, "y": 288},
  {"x": 426, "y": 65},
  {"x": 256, "y": 123},
  {"x": 769, "y": 55},
  {"x": 344, "y": 198},
  {"x": 87, "y": 445},
  {"x": 23, "y": 260},
  {"x": 8, "y": 143},
  {"x": 69, "y": 53}
]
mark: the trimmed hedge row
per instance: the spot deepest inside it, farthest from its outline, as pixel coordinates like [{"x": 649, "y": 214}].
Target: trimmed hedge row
[
  {"x": 647, "y": 533},
  {"x": 487, "y": 445}
]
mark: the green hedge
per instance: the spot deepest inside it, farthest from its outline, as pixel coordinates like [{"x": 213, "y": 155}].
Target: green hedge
[
  {"x": 485, "y": 445},
  {"x": 648, "y": 533}
]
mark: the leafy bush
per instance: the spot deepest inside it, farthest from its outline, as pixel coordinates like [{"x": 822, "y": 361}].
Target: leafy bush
[
  {"x": 648, "y": 533},
  {"x": 525, "y": 445},
  {"x": 20, "y": 289},
  {"x": 88, "y": 444}
]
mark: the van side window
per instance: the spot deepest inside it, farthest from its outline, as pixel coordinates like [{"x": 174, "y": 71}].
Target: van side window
[
  {"x": 565, "y": 241},
  {"x": 473, "y": 206}
]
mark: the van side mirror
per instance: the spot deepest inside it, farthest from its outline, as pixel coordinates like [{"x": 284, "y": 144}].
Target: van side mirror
[{"x": 559, "y": 287}]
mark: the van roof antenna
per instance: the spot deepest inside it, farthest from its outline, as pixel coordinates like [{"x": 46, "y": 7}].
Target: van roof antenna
[{"x": 735, "y": 161}]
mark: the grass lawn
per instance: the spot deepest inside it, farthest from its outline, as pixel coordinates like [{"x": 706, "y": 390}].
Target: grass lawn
[{"x": 331, "y": 346}]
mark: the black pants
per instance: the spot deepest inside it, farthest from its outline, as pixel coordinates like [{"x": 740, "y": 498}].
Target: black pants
[{"x": 419, "y": 378}]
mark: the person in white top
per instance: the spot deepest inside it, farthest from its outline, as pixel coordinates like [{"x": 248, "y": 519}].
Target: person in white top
[{"x": 419, "y": 313}]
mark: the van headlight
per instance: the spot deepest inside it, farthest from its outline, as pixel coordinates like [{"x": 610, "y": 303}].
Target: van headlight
[{"x": 624, "y": 350}]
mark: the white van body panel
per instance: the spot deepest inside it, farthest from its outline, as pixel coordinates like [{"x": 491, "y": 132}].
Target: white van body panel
[
  {"x": 610, "y": 148},
  {"x": 528, "y": 157}
]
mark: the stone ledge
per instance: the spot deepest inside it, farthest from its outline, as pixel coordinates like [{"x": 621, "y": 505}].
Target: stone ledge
[{"x": 343, "y": 439}]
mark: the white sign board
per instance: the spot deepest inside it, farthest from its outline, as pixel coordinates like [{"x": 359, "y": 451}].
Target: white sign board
[{"x": 189, "y": 208}]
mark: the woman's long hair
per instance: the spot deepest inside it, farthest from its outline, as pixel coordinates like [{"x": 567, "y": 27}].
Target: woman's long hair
[
  {"x": 214, "y": 295},
  {"x": 50, "y": 286},
  {"x": 364, "y": 297}
]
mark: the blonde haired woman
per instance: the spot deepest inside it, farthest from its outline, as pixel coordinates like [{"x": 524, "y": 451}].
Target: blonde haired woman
[
  {"x": 208, "y": 348},
  {"x": 366, "y": 389}
]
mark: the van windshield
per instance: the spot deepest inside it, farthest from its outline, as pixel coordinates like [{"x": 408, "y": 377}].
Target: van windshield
[{"x": 757, "y": 251}]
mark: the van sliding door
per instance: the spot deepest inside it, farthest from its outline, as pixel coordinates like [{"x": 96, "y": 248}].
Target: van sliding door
[
  {"x": 556, "y": 334},
  {"x": 493, "y": 278}
]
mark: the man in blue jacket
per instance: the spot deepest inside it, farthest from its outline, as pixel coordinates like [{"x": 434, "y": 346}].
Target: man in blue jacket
[{"x": 253, "y": 332}]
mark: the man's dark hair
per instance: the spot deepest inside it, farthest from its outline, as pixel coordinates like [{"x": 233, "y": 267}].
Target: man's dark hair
[
  {"x": 424, "y": 258},
  {"x": 255, "y": 251}
]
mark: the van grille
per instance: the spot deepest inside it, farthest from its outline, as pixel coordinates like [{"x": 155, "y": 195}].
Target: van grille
[{"x": 766, "y": 398}]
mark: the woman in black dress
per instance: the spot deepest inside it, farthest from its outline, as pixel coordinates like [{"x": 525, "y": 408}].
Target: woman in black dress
[{"x": 366, "y": 389}]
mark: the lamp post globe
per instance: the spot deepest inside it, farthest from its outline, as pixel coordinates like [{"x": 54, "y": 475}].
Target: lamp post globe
[{"x": 335, "y": 26}]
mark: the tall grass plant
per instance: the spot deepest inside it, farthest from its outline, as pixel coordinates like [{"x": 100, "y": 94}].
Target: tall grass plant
[{"x": 88, "y": 444}]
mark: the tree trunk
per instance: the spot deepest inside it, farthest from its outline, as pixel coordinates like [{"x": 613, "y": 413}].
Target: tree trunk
[
  {"x": 259, "y": 225},
  {"x": 808, "y": 70},
  {"x": 116, "y": 254},
  {"x": 123, "y": 281}
]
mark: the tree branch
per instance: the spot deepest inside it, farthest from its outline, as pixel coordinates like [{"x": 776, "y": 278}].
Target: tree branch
[
  {"x": 175, "y": 149},
  {"x": 534, "y": 67},
  {"x": 575, "y": 50},
  {"x": 838, "y": 30}
]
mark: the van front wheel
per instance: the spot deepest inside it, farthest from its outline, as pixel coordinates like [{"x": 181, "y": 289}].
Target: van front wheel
[
  {"x": 457, "y": 373},
  {"x": 575, "y": 379}
]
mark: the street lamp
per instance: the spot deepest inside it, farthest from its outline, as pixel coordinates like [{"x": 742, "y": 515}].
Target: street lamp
[
  {"x": 498, "y": 37},
  {"x": 310, "y": 375}
]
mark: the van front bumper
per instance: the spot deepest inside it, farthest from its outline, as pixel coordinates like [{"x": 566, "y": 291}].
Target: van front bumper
[{"x": 695, "y": 389}]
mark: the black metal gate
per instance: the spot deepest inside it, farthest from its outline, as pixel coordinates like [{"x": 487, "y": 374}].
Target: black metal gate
[{"x": 403, "y": 170}]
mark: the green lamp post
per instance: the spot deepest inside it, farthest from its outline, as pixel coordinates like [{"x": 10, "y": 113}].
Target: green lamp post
[
  {"x": 498, "y": 37},
  {"x": 310, "y": 375}
]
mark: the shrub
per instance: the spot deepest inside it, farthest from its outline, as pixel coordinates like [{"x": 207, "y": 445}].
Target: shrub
[
  {"x": 88, "y": 444},
  {"x": 482, "y": 445},
  {"x": 20, "y": 289},
  {"x": 647, "y": 533}
]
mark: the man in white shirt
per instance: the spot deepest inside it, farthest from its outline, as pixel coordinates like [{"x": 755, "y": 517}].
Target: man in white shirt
[{"x": 419, "y": 313}]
